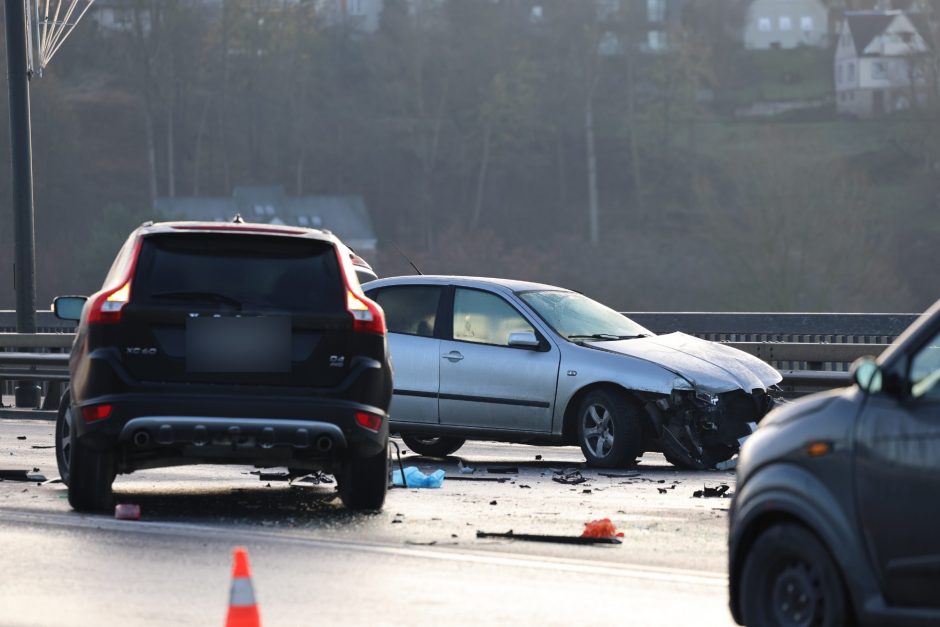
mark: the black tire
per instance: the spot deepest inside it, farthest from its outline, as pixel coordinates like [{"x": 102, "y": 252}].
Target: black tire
[
  {"x": 63, "y": 436},
  {"x": 363, "y": 482},
  {"x": 432, "y": 447},
  {"x": 610, "y": 429},
  {"x": 91, "y": 473},
  {"x": 788, "y": 579}
]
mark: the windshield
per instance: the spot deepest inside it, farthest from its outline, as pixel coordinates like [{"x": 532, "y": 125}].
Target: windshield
[{"x": 577, "y": 317}]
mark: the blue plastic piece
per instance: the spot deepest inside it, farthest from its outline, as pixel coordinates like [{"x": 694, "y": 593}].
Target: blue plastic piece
[{"x": 414, "y": 478}]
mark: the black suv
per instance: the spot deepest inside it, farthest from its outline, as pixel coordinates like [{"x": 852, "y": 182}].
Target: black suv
[
  {"x": 226, "y": 343},
  {"x": 837, "y": 517}
]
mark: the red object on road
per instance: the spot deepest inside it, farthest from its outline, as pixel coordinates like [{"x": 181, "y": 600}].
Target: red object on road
[
  {"x": 127, "y": 511},
  {"x": 242, "y": 609},
  {"x": 602, "y": 528}
]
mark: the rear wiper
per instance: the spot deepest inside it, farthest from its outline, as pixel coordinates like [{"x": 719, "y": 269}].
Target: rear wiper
[{"x": 196, "y": 295}]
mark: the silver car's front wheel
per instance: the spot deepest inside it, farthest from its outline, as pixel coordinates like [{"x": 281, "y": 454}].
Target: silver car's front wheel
[{"x": 610, "y": 431}]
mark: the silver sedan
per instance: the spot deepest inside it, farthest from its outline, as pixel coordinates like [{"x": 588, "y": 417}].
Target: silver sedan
[{"x": 496, "y": 359}]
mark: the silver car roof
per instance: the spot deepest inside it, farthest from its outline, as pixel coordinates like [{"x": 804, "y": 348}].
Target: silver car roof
[{"x": 511, "y": 285}]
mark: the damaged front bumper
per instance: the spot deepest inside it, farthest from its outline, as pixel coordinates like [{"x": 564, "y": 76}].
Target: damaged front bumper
[{"x": 698, "y": 430}]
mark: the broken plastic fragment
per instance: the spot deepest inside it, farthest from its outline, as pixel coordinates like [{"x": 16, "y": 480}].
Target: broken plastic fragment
[
  {"x": 127, "y": 511},
  {"x": 720, "y": 491},
  {"x": 467, "y": 470},
  {"x": 571, "y": 476},
  {"x": 503, "y": 470},
  {"x": 602, "y": 528},
  {"x": 534, "y": 537}
]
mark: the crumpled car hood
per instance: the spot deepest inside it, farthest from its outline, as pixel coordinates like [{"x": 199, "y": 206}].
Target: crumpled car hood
[{"x": 709, "y": 366}]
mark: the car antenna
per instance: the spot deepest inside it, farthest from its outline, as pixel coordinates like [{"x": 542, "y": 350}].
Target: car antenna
[{"x": 407, "y": 258}]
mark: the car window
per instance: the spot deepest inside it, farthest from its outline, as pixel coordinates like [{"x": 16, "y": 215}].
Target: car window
[
  {"x": 410, "y": 309},
  {"x": 252, "y": 271},
  {"x": 485, "y": 318},
  {"x": 925, "y": 371}
]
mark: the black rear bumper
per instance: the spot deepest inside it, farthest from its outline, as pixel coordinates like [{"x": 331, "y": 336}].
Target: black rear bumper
[{"x": 150, "y": 431}]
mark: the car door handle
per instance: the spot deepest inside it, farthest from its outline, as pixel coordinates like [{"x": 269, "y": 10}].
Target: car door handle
[{"x": 453, "y": 356}]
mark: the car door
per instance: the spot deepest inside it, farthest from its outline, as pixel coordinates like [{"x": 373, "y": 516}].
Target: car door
[
  {"x": 486, "y": 383},
  {"x": 411, "y": 314},
  {"x": 898, "y": 477}
]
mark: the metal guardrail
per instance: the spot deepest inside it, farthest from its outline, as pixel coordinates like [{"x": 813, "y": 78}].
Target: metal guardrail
[{"x": 812, "y": 351}]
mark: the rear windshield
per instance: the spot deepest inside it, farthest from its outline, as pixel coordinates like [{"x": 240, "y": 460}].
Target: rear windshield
[{"x": 239, "y": 271}]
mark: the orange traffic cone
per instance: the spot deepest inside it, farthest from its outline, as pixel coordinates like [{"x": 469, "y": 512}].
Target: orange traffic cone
[{"x": 242, "y": 609}]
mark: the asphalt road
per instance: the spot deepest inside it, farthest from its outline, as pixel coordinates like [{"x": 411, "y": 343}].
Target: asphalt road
[{"x": 417, "y": 562}]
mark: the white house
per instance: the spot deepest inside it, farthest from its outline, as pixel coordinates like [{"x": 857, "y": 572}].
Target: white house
[
  {"x": 880, "y": 63},
  {"x": 786, "y": 24}
]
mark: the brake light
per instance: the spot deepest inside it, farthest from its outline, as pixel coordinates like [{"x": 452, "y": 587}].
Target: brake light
[
  {"x": 92, "y": 413},
  {"x": 367, "y": 316},
  {"x": 371, "y": 422}
]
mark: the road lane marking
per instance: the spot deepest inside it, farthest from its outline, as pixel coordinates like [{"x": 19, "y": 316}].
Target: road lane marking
[{"x": 240, "y": 535}]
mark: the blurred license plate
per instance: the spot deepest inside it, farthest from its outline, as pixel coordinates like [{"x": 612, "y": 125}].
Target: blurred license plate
[{"x": 230, "y": 344}]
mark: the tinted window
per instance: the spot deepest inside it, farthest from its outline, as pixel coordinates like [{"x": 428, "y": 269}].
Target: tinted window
[
  {"x": 485, "y": 318},
  {"x": 242, "y": 270},
  {"x": 410, "y": 309}
]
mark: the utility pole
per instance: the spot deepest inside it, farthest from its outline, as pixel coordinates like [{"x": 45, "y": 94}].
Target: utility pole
[{"x": 24, "y": 244}]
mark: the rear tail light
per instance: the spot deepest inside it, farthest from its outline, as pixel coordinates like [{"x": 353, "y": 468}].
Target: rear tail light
[
  {"x": 92, "y": 413},
  {"x": 367, "y": 316},
  {"x": 105, "y": 306},
  {"x": 372, "y": 422}
]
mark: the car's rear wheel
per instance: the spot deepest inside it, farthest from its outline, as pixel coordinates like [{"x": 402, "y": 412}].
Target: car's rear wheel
[
  {"x": 63, "y": 437},
  {"x": 610, "y": 429},
  {"x": 432, "y": 447},
  {"x": 363, "y": 482},
  {"x": 788, "y": 579},
  {"x": 91, "y": 473}
]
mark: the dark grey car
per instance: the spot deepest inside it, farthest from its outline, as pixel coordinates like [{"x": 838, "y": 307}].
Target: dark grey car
[{"x": 837, "y": 513}]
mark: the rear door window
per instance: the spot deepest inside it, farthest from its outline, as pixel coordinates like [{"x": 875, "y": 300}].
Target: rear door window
[
  {"x": 410, "y": 309},
  {"x": 239, "y": 271}
]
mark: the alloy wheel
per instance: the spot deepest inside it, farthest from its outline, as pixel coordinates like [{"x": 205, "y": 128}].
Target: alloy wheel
[{"x": 598, "y": 429}]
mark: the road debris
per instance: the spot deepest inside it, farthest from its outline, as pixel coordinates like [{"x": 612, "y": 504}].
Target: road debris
[
  {"x": 538, "y": 458},
  {"x": 720, "y": 491},
  {"x": 601, "y": 528},
  {"x": 466, "y": 470},
  {"x": 21, "y": 437},
  {"x": 570, "y": 476},
  {"x": 490, "y": 479},
  {"x": 535, "y": 537},
  {"x": 619, "y": 476},
  {"x": 729, "y": 464},
  {"x": 664, "y": 490},
  {"x": 315, "y": 478},
  {"x": 271, "y": 476},
  {"x": 20, "y": 475},
  {"x": 493, "y": 502},
  {"x": 503, "y": 470},
  {"x": 43, "y": 446},
  {"x": 127, "y": 511},
  {"x": 414, "y": 478},
  {"x": 53, "y": 480}
]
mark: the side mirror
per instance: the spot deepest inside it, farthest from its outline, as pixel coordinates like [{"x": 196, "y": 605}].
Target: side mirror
[
  {"x": 867, "y": 374},
  {"x": 68, "y": 307},
  {"x": 526, "y": 339}
]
